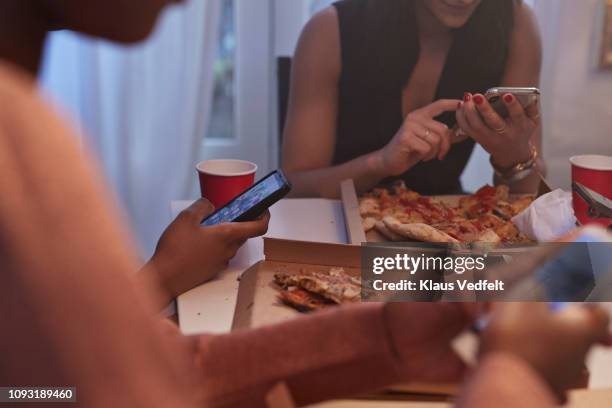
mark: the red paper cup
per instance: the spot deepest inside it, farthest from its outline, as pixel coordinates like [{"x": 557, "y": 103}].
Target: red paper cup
[
  {"x": 595, "y": 173},
  {"x": 223, "y": 180}
]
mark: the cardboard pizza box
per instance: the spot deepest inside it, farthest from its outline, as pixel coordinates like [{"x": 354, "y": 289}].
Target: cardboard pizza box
[
  {"x": 353, "y": 221},
  {"x": 257, "y": 304}
]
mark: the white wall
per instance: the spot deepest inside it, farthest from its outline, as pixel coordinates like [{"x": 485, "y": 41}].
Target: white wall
[
  {"x": 289, "y": 18},
  {"x": 577, "y": 96}
]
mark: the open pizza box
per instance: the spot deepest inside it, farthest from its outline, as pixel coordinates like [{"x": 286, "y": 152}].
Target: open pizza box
[
  {"x": 258, "y": 305},
  {"x": 353, "y": 220}
]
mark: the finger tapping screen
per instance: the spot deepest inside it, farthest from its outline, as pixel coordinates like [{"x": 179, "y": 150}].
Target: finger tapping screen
[{"x": 246, "y": 201}]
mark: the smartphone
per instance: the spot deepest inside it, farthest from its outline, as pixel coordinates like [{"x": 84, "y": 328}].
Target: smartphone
[
  {"x": 253, "y": 202},
  {"x": 581, "y": 270},
  {"x": 526, "y": 97}
]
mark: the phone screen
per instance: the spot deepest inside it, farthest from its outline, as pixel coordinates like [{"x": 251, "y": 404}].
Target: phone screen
[
  {"x": 247, "y": 200},
  {"x": 525, "y": 96},
  {"x": 574, "y": 273}
]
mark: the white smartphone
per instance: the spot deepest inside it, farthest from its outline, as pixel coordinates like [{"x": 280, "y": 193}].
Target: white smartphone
[{"x": 526, "y": 97}]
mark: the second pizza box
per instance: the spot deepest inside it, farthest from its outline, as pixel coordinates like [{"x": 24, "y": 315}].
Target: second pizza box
[
  {"x": 353, "y": 219},
  {"x": 257, "y": 304}
]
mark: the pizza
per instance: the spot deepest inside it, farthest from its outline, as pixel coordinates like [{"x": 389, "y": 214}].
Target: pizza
[
  {"x": 302, "y": 300},
  {"x": 418, "y": 231},
  {"x": 399, "y": 214},
  {"x": 307, "y": 290}
]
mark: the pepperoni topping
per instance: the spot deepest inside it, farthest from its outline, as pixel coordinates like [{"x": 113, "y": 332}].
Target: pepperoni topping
[{"x": 486, "y": 191}]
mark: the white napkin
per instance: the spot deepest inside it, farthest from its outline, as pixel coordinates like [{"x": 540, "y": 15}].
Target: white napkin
[{"x": 549, "y": 217}]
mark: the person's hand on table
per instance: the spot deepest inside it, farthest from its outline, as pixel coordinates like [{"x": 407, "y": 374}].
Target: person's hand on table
[
  {"x": 423, "y": 333},
  {"x": 189, "y": 254},
  {"x": 553, "y": 343},
  {"x": 508, "y": 141},
  {"x": 421, "y": 138}
]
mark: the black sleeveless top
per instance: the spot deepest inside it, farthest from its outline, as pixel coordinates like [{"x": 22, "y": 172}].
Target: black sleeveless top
[{"x": 370, "y": 93}]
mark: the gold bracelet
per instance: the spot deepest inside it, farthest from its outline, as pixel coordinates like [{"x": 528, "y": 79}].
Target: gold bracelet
[{"x": 520, "y": 170}]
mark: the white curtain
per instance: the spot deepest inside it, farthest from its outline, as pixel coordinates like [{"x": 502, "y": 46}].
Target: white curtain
[{"x": 144, "y": 108}]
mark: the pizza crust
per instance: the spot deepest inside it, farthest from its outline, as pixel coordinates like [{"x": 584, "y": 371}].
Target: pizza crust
[
  {"x": 368, "y": 223},
  {"x": 502, "y": 193},
  {"x": 420, "y": 232},
  {"x": 369, "y": 207},
  {"x": 489, "y": 236},
  {"x": 387, "y": 233}
]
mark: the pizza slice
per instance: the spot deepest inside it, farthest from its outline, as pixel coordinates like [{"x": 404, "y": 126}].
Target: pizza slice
[
  {"x": 488, "y": 236},
  {"x": 302, "y": 300},
  {"x": 419, "y": 232},
  {"x": 521, "y": 204},
  {"x": 484, "y": 200},
  {"x": 387, "y": 233},
  {"x": 369, "y": 207},
  {"x": 510, "y": 234},
  {"x": 368, "y": 223},
  {"x": 337, "y": 286},
  {"x": 507, "y": 210},
  {"x": 398, "y": 214}
]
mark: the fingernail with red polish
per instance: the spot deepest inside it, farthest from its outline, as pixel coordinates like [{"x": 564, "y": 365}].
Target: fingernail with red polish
[
  {"x": 479, "y": 99},
  {"x": 467, "y": 96},
  {"x": 509, "y": 98}
]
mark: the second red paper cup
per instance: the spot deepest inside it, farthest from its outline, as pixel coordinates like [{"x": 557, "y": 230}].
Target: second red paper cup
[
  {"x": 592, "y": 189},
  {"x": 223, "y": 180}
]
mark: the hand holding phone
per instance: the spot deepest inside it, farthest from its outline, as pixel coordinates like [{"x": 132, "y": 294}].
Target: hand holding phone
[
  {"x": 188, "y": 255},
  {"x": 554, "y": 344},
  {"x": 508, "y": 141},
  {"x": 253, "y": 202},
  {"x": 525, "y": 96}
]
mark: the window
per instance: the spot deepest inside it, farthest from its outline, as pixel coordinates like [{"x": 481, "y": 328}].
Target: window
[
  {"x": 222, "y": 114},
  {"x": 240, "y": 119}
]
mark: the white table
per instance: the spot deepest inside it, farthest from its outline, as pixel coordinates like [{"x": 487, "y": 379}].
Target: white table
[{"x": 210, "y": 308}]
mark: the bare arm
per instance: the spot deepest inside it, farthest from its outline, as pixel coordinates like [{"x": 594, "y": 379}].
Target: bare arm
[
  {"x": 337, "y": 353},
  {"x": 70, "y": 312},
  {"x": 310, "y": 133},
  {"x": 508, "y": 381}
]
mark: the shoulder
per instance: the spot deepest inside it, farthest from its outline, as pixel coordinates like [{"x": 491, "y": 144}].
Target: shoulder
[
  {"x": 16, "y": 82},
  {"x": 319, "y": 43},
  {"x": 345, "y": 17},
  {"x": 323, "y": 24},
  {"x": 19, "y": 92}
]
